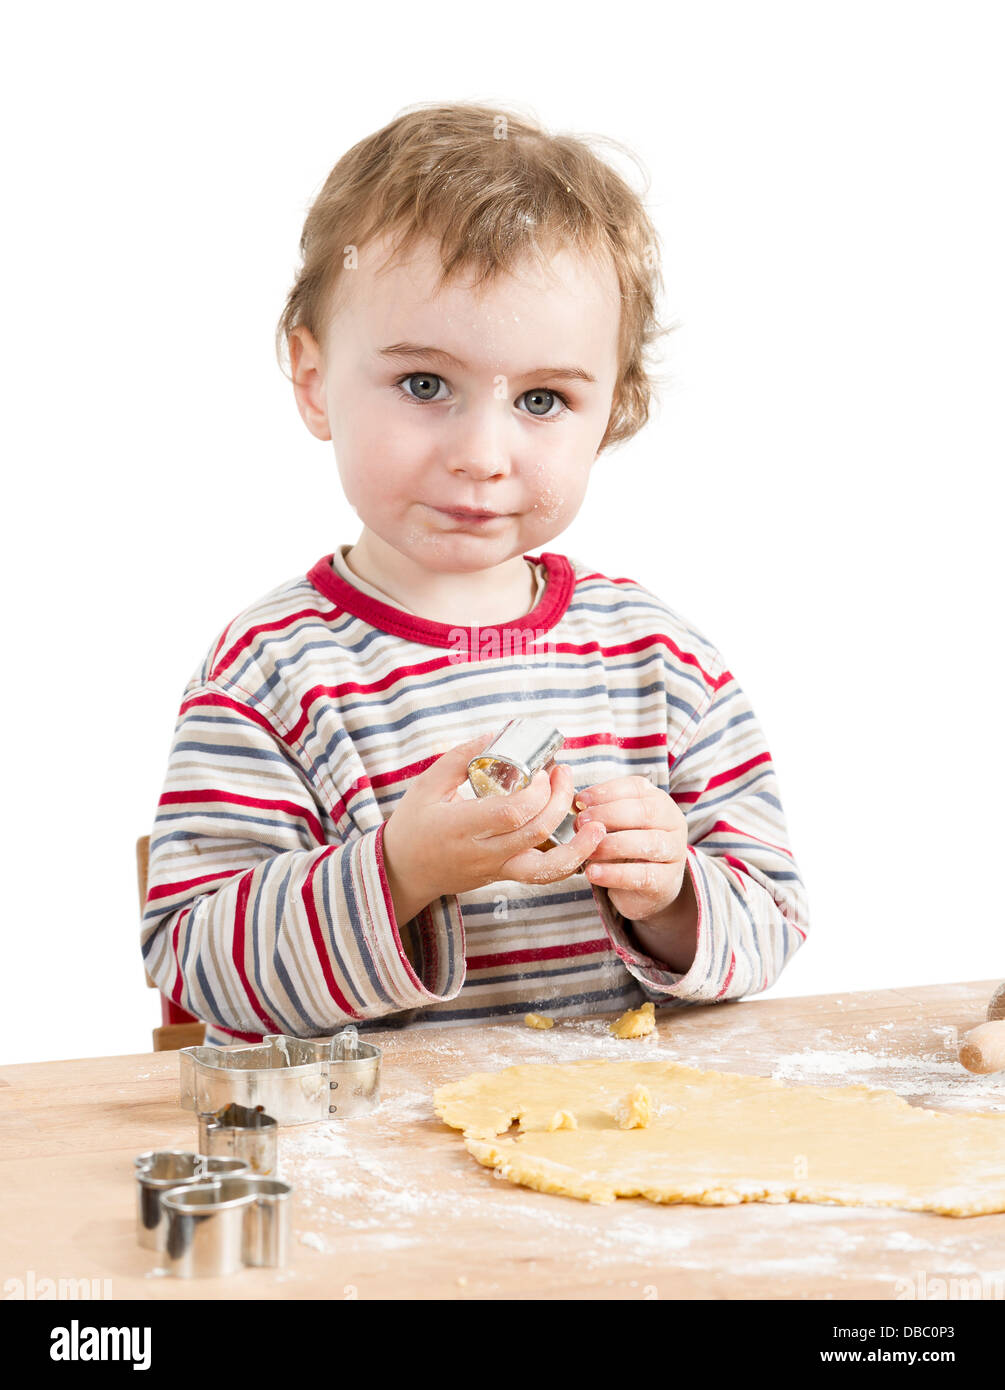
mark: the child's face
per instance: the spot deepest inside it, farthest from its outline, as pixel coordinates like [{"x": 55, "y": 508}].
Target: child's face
[{"x": 478, "y": 423}]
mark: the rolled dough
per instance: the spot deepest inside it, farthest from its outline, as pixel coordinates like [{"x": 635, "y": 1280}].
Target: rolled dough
[{"x": 718, "y": 1138}]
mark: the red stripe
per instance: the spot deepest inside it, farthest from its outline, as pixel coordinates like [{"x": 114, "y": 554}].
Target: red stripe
[
  {"x": 733, "y": 772},
  {"x": 244, "y": 1037},
  {"x": 275, "y": 626},
  {"x": 736, "y": 864},
  {"x": 317, "y": 937},
  {"x": 225, "y": 702},
  {"x": 729, "y": 975},
  {"x": 176, "y": 988},
  {"x": 235, "y": 799},
  {"x": 640, "y": 644},
  {"x": 576, "y": 948},
  {"x": 219, "y": 645},
  {"x": 612, "y": 740},
  {"x": 335, "y": 692},
  {"x": 725, "y": 827},
  {"x": 398, "y": 674},
  {"x": 237, "y": 953},
  {"x": 408, "y": 770},
  {"x": 739, "y": 867},
  {"x": 385, "y": 889},
  {"x": 396, "y": 774},
  {"x": 339, "y": 807},
  {"x": 730, "y": 775},
  {"x": 168, "y": 890}
]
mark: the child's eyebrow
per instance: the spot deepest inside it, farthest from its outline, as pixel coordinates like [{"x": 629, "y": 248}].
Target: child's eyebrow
[{"x": 415, "y": 350}]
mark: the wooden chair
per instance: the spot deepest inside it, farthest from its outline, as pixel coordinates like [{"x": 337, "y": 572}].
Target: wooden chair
[{"x": 178, "y": 1028}]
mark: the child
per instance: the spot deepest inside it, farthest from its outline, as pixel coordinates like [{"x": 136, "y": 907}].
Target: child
[{"x": 468, "y": 328}]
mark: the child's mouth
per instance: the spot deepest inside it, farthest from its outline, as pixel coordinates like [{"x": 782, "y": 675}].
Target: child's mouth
[{"x": 469, "y": 518}]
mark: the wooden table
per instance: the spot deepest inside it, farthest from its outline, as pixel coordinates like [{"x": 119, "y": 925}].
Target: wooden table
[{"x": 392, "y": 1206}]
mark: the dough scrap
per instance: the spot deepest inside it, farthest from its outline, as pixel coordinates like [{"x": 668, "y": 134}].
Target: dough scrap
[
  {"x": 538, "y": 1021},
  {"x": 562, "y": 1119},
  {"x": 635, "y": 1110},
  {"x": 720, "y": 1138},
  {"x": 484, "y": 783},
  {"x": 636, "y": 1023}
]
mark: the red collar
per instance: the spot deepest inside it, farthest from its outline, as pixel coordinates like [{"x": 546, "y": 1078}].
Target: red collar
[{"x": 550, "y": 608}]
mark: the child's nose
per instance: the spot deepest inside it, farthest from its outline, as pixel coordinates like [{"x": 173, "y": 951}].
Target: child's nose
[
  {"x": 477, "y": 446},
  {"x": 479, "y": 466}
]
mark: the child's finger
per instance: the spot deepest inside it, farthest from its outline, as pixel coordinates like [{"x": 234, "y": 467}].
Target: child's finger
[
  {"x": 510, "y": 815},
  {"x": 642, "y": 846},
  {"x": 645, "y": 879},
  {"x": 549, "y": 866},
  {"x": 614, "y": 790},
  {"x": 635, "y": 813},
  {"x": 450, "y": 769}
]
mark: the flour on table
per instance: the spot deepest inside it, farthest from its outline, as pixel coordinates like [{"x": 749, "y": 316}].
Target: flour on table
[{"x": 933, "y": 1078}]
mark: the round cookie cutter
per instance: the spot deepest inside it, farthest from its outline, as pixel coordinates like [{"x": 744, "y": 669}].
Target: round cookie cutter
[
  {"x": 162, "y": 1170},
  {"x": 518, "y": 752},
  {"x": 220, "y": 1226}
]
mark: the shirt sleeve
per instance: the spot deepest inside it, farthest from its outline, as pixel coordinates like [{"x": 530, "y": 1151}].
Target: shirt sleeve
[
  {"x": 752, "y": 908},
  {"x": 258, "y": 918}
]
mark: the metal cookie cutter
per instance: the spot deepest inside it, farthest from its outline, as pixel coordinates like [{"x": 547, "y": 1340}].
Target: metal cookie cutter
[
  {"x": 512, "y": 759},
  {"x": 162, "y": 1170},
  {"x": 296, "y": 1080},
  {"x": 220, "y": 1226},
  {"x": 237, "y": 1131}
]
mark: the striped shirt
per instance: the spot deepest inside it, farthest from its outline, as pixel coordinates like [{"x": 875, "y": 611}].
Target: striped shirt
[{"x": 268, "y": 907}]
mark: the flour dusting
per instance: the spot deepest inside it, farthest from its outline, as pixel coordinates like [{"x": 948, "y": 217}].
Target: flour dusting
[
  {"x": 923, "y": 1076},
  {"x": 398, "y": 1180}
]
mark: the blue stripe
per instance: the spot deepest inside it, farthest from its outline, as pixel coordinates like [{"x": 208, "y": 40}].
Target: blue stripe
[
  {"x": 474, "y": 980},
  {"x": 747, "y": 847},
  {"x": 605, "y": 999},
  {"x": 207, "y": 993},
  {"x": 737, "y": 794},
  {"x": 712, "y": 739},
  {"x": 747, "y": 942},
  {"x": 232, "y": 750},
  {"x": 256, "y": 950},
  {"x": 279, "y": 965},
  {"x": 353, "y": 928}
]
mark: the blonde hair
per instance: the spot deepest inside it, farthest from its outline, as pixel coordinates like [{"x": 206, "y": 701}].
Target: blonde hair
[{"x": 492, "y": 187}]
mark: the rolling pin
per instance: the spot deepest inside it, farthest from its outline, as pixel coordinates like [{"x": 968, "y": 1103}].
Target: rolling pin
[{"x": 982, "y": 1050}]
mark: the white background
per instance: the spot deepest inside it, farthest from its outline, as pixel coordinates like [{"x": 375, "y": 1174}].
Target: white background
[{"x": 819, "y": 493}]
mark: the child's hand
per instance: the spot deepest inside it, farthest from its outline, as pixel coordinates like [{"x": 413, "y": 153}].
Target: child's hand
[
  {"x": 643, "y": 858},
  {"x": 436, "y": 843}
]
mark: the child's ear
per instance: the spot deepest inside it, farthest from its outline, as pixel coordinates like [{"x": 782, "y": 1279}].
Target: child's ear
[{"x": 308, "y": 370}]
